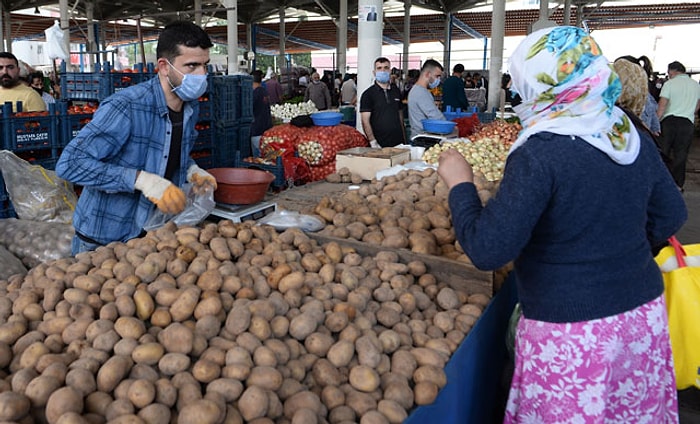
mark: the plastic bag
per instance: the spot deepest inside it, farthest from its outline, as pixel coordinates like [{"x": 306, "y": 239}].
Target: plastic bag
[
  {"x": 281, "y": 220},
  {"x": 34, "y": 242},
  {"x": 680, "y": 266},
  {"x": 56, "y": 47},
  {"x": 197, "y": 208},
  {"x": 37, "y": 194},
  {"x": 10, "y": 264}
]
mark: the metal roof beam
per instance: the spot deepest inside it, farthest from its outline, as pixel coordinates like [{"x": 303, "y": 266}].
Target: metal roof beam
[
  {"x": 466, "y": 28},
  {"x": 297, "y": 40}
]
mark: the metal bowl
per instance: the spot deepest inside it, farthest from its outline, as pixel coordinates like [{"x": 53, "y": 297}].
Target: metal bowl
[{"x": 240, "y": 186}]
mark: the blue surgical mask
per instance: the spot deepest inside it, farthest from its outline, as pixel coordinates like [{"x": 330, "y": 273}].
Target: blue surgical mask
[
  {"x": 434, "y": 83},
  {"x": 192, "y": 87},
  {"x": 382, "y": 77}
]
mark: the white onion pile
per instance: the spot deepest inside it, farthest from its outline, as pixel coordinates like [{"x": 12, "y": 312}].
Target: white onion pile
[{"x": 287, "y": 111}]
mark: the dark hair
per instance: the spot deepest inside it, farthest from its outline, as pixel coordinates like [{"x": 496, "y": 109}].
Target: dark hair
[
  {"x": 181, "y": 33},
  {"x": 257, "y": 75},
  {"x": 381, "y": 60},
  {"x": 676, "y": 66},
  {"x": 36, "y": 74},
  {"x": 429, "y": 65},
  {"x": 8, "y": 55},
  {"x": 459, "y": 68},
  {"x": 505, "y": 79}
]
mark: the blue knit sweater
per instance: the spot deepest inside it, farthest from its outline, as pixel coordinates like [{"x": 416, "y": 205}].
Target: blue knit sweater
[{"x": 578, "y": 225}]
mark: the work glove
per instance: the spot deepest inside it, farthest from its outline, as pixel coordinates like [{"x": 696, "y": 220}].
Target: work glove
[
  {"x": 374, "y": 144},
  {"x": 164, "y": 194},
  {"x": 200, "y": 179}
]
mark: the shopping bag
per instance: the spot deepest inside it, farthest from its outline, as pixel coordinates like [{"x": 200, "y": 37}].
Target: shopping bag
[{"x": 680, "y": 266}]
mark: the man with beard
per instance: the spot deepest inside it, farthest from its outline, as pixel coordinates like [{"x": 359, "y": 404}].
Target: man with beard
[{"x": 13, "y": 90}]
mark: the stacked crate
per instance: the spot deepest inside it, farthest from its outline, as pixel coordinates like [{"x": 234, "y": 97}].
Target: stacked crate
[
  {"x": 225, "y": 116},
  {"x": 32, "y": 136}
]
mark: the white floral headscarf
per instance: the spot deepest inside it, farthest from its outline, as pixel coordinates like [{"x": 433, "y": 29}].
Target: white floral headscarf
[{"x": 569, "y": 88}]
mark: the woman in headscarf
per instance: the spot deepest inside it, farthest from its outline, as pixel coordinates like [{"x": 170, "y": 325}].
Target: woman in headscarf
[
  {"x": 583, "y": 199},
  {"x": 635, "y": 96}
]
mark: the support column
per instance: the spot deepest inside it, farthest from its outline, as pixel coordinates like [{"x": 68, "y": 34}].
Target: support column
[
  {"x": 447, "y": 45},
  {"x": 369, "y": 44},
  {"x": 567, "y": 13},
  {"x": 232, "y": 35},
  {"x": 65, "y": 24},
  {"x": 2, "y": 33},
  {"x": 343, "y": 37},
  {"x": 497, "y": 34},
  {"x": 249, "y": 28},
  {"x": 406, "y": 35},
  {"x": 91, "y": 45},
  {"x": 282, "y": 59},
  {"x": 198, "y": 12},
  {"x": 544, "y": 10},
  {"x": 8, "y": 30}
]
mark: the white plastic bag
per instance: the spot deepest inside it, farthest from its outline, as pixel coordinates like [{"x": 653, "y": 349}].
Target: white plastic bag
[
  {"x": 56, "y": 47},
  {"x": 281, "y": 220}
]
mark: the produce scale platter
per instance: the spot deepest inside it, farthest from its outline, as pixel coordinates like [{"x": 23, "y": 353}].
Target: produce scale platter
[{"x": 241, "y": 213}]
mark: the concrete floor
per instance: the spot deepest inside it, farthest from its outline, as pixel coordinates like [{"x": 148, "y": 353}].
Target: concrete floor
[{"x": 690, "y": 233}]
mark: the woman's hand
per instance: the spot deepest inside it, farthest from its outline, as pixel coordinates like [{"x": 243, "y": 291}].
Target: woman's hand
[{"x": 454, "y": 169}]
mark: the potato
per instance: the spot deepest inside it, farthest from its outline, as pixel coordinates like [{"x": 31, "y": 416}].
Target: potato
[
  {"x": 254, "y": 403},
  {"x": 148, "y": 353},
  {"x": 425, "y": 392},
  {"x": 13, "y": 406},
  {"x": 176, "y": 338},
  {"x": 155, "y": 413},
  {"x": 39, "y": 389},
  {"x": 302, "y": 326},
  {"x": 364, "y": 378},
  {"x": 112, "y": 373},
  {"x": 303, "y": 399},
  {"x": 431, "y": 374},
  {"x": 268, "y": 378},
  {"x": 141, "y": 393},
  {"x": 202, "y": 411},
  {"x": 63, "y": 400}
]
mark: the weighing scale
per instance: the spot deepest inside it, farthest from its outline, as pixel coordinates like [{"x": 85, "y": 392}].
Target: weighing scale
[
  {"x": 241, "y": 213},
  {"x": 428, "y": 140}
]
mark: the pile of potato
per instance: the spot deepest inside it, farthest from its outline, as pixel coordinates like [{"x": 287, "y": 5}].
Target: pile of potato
[
  {"x": 407, "y": 210},
  {"x": 226, "y": 323}
]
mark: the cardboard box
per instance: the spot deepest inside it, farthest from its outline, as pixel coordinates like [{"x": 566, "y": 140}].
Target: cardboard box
[{"x": 366, "y": 161}]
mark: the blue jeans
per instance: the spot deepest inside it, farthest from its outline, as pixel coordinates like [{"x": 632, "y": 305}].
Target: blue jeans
[
  {"x": 255, "y": 145},
  {"x": 78, "y": 245}
]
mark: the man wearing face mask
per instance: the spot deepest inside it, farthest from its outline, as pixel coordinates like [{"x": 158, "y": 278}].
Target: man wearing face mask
[
  {"x": 134, "y": 155},
  {"x": 421, "y": 103},
  {"x": 381, "y": 109}
]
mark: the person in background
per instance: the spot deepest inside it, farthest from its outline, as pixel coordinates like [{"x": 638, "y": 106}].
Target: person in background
[
  {"x": 679, "y": 101},
  {"x": 13, "y": 89},
  {"x": 274, "y": 89},
  {"x": 421, "y": 103},
  {"x": 262, "y": 117},
  {"x": 134, "y": 155},
  {"x": 583, "y": 199},
  {"x": 348, "y": 91},
  {"x": 648, "y": 110},
  {"x": 508, "y": 93},
  {"x": 318, "y": 93},
  {"x": 469, "y": 81},
  {"x": 381, "y": 109},
  {"x": 37, "y": 83},
  {"x": 453, "y": 93}
]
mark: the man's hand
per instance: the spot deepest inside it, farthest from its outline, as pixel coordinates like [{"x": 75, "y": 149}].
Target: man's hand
[
  {"x": 200, "y": 179},
  {"x": 166, "y": 196},
  {"x": 454, "y": 169},
  {"x": 374, "y": 144}
]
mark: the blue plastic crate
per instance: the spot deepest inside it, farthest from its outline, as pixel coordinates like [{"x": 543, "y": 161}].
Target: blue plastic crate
[
  {"x": 46, "y": 158},
  {"x": 205, "y": 106},
  {"x": 204, "y": 159},
  {"x": 3, "y": 191},
  {"x": 205, "y": 139},
  {"x": 486, "y": 117},
  {"x": 84, "y": 85},
  {"x": 29, "y": 132},
  {"x": 69, "y": 124},
  {"x": 277, "y": 169},
  {"x": 6, "y": 210},
  {"x": 225, "y": 97},
  {"x": 245, "y": 111},
  {"x": 227, "y": 144},
  {"x": 119, "y": 80}
]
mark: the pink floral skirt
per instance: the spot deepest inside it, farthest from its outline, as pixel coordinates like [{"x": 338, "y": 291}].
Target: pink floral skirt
[{"x": 617, "y": 369}]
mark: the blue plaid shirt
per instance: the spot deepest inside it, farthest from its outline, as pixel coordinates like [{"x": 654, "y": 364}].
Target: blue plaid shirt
[{"x": 129, "y": 132}]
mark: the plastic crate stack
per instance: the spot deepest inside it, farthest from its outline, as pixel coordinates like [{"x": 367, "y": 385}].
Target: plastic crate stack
[
  {"x": 98, "y": 85},
  {"x": 32, "y": 136},
  {"x": 225, "y": 116}
]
